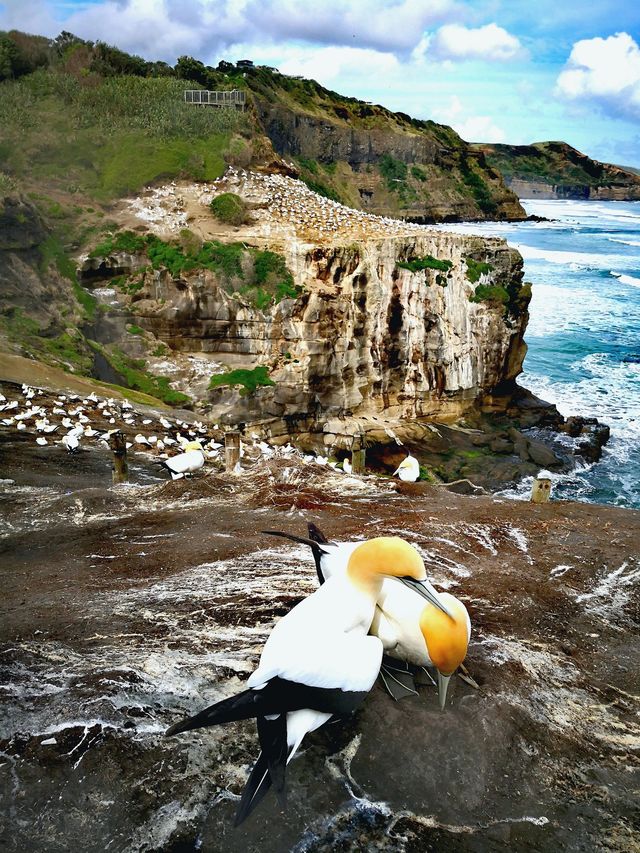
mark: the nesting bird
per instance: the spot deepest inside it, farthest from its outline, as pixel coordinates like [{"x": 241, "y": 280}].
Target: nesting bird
[
  {"x": 434, "y": 634},
  {"x": 408, "y": 470},
  {"x": 191, "y": 460},
  {"x": 318, "y": 661}
]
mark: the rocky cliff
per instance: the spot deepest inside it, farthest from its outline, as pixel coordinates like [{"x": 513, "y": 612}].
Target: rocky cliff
[
  {"x": 403, "y": 327},
  {"x": 386, "y": 162},
  {"x": 551, "y": 170}
]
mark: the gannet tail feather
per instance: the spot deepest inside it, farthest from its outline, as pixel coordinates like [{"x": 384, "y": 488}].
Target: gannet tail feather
[
  {"x": 272, "y": 734},
  {"x": 254, "y": 792},
  {"x": 243, "y": 706},
  {"x": 303, "y": 540}
]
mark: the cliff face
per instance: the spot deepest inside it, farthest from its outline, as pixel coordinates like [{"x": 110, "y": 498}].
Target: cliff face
[
  {"x": 549, "y": 170},
  {"x": 392, "y": 166},
  {"x": 365, "y": 337}
]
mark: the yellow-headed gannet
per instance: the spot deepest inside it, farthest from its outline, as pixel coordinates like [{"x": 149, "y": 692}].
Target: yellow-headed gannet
[
  {"x": 185, "y": 463},
  {"x": 318, "y": 661},
  {"x": 408, "y": 470},
  {"x": 411, "y": 630}
]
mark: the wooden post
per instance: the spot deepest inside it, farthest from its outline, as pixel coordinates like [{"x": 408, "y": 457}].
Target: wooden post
[
  {"x": 231, "y": 450},
  {"x": 541, "y": 490},
  {"x": 357, "y": 455},
  {"x": 118, "y": 445}
]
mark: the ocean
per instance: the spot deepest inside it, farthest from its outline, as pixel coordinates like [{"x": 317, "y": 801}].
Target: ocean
[{"x": 584, "y": 331}]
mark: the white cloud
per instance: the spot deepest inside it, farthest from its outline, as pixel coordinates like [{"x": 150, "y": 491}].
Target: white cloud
[
  {"x": 472, "y": 128},
  {"x": 490, "y": 43},
  {"x": 206, "y": 28},
  {"x": 605, "y": 72},
  {"x": 329, "y": 63},
  {"x": 479, "y": 129}
]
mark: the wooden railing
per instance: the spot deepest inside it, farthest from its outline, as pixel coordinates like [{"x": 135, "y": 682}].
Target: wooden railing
[{"x": 204, "y": 97}]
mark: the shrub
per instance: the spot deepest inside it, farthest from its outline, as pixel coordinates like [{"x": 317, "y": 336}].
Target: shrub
[
  {"x": 229, "y": 208},
  {"x": 248, "y": 379},
  {"x": 475, "y": 269},
  {"x": 494, "y": 294},
  {"x": 426, "y": 263}
]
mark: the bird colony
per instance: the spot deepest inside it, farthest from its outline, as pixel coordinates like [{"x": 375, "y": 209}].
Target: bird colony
[
  {"x": 278, "y": 205},
  {"x": 289, "y": 202}
]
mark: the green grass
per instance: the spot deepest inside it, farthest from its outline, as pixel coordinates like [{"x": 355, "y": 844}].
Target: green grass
[
  {"x": 229, "y": 208},
  {"x": 122, "y": 241},
  {"x": 494, "y": 294},
  {"x": 269, "y": 282},
  {"x": 137, "y": 378},
  {"x": 477, "y": 187},
  {"x": 112, "y": 136},
  {"x": 52, "y": 252},
  {"x": 475, "y": 269},
  {"x": 249, "y": 380},
  {"x": 135, "y": 330},
  {"x": 426, "y": 263}
]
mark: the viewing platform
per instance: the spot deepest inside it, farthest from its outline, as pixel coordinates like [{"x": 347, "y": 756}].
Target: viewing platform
[{"x": 235, "y": 98}]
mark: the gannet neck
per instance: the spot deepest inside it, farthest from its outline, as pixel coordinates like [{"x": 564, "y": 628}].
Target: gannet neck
[{"x": 384, "y": 556}]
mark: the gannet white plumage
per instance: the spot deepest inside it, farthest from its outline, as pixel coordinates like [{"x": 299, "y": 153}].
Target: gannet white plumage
[
  {"x": 408, "y": 470},
  {"x": 318, "y": 661},
  {"x": 191, "y": 460},
  {"x": 434, "y": 633}
]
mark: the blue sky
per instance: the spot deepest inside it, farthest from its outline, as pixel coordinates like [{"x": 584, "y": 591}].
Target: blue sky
[{"x": 496, "y": 70}]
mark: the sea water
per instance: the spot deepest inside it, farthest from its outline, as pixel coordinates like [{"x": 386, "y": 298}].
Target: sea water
[{"x": 584, "y": 331}]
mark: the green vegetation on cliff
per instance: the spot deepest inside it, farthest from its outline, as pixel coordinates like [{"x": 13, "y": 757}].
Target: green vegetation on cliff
[
  {"x": 557, "y": 164},
  {"x": 249, "y": 380},
  {"x": 261, "y": 276},
  {"x": 229, "y": 208}
]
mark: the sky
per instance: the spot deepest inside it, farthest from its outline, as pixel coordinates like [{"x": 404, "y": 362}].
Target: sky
[{"x": 511, "y": 71}]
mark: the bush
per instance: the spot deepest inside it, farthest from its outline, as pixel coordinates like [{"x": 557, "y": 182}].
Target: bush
[
  {"x": 475, "y": 269},
  {"x": 426, "y": 263},
  {"x": 229, "y": 208},
  {"x": 248, "y": 379}
]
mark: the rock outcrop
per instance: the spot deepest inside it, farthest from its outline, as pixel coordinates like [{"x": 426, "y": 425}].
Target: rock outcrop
[
  {"x": 555, "y": 170},
  {"x": 365, "y": 338},
  {"x": 434, "y": 175}
]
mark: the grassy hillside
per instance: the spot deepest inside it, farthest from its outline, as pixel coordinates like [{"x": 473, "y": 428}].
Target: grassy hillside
[
  {"x": 84, "y": 124},
  {"x": 558, "y": 164}
]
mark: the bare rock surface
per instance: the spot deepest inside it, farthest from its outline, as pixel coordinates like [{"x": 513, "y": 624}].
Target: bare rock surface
[{"x": 127, "y": 607}]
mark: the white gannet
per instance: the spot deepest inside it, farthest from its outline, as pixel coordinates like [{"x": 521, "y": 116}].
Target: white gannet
[
  {"x": 41, "y": 441},
  {"x": 72, "y": 439},
  {"x": 185, "y": 463},
  {"x": 408, "y": 470},
  {"x": 318, "y": 661},
  {"x": 411, "y": 630}
]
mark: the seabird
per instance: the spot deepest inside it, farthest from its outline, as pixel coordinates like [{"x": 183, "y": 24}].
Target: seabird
[
  {"x": 408, "y": 470},
  {"x": 72, "y": 439},
  {"x": 318, "y": 661},
  {"x": 434, "y": 633},
  {"x": 185, "y": 463}
]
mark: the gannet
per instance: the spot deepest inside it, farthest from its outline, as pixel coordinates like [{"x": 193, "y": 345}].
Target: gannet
[
  {"x": 318, "y": 661},
  {"x": 408, "y": 470},
  {"x": 411, "y": 630},
  {"x": 185, "y": 463},
  {"x": 72, "y": 439}
]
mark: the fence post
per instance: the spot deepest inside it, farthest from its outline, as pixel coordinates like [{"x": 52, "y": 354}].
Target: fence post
[
  {"x": 231, "y": 450},
  {"x": 118, "y": 445},
  {"x": 541, "y": 490},
  {"x": 357, "y": 455}
]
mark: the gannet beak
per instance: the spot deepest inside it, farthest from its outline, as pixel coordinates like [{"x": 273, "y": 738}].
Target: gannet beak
[
  {"x": 427, "y": 591},
  {"x": 443, "y": 684}
]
